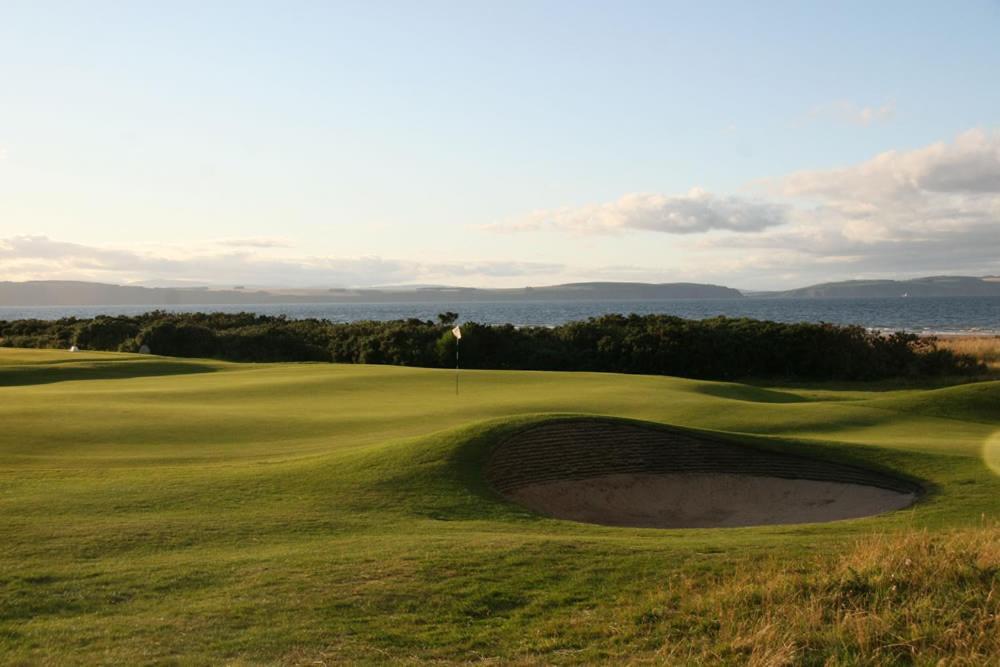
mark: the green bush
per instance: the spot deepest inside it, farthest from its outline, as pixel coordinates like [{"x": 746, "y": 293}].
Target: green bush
[
  {"x": 179, "y": 339},
  {"x": 717, "y": 348},
  {"x": 105, "y": 333}
]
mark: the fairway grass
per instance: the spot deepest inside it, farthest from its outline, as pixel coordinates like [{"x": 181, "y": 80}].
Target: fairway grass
[{"x": 159, "y": 510}]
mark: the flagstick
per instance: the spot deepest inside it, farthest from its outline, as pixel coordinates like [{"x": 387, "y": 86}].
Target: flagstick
[{"x": 457, "y": 333}]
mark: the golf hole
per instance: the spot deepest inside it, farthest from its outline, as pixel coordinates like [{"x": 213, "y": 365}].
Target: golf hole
[{"x": 623, "y": 474}]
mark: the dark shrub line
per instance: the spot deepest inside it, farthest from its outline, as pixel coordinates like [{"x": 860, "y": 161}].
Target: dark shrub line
[{"x": 715, "y": 348}]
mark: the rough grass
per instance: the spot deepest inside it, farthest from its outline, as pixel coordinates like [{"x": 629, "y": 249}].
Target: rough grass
[
  {"x": 983, "y": 348},
  {"x": 886, "y": 600},
  {"x": 213, "y": 513}
]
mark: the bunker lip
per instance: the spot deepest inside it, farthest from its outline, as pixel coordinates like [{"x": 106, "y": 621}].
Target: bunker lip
[{"x": 626, "y": 474}]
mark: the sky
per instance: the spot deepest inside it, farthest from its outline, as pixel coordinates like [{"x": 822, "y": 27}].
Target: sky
[{"x": 315, "y": 144}]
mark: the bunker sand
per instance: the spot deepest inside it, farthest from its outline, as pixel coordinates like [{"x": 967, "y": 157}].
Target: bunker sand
[
  {"x": 705, "y": 501},
  {"x": 622, "y": 474}
]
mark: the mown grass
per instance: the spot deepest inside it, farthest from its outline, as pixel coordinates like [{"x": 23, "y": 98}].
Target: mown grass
[{"x": 310, "y": 513}]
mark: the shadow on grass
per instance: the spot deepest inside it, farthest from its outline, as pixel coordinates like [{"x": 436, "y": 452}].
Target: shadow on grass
[
  {"x": 16, "y": 376},
  {"x": 440, "y": 476},
  {"x": 887, "y": 385},
  {"x": 740, "y": 392}
]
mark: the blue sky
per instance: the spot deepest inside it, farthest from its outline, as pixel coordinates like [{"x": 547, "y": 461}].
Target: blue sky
[{"x": 498, "y": 143}]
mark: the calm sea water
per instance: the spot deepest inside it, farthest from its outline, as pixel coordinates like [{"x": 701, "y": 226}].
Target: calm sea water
[{"x": 917, "y": 314}]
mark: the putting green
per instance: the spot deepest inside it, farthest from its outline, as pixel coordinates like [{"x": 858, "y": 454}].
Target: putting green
[{"x": 159, "y": 510}]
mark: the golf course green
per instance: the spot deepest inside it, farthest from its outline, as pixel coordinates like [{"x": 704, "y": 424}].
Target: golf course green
[{"x": 161, "y": 510}]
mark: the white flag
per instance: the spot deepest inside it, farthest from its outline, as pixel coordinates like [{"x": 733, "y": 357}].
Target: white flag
[{"x": 457, "y": 333}]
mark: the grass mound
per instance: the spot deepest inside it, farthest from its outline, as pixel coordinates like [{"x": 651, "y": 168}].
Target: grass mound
[
  {"x": 303, "y": 513},
  {"x": 979, "y": 402}
]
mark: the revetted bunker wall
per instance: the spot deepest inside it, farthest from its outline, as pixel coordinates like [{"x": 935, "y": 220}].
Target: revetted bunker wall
[{"x": 584, "y": 448}]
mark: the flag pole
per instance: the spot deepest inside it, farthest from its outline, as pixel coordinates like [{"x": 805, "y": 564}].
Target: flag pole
[{"x": 457, "y": 333}]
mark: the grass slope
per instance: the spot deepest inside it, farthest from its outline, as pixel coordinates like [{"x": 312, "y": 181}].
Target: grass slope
[{"x": 160, "y": 510}]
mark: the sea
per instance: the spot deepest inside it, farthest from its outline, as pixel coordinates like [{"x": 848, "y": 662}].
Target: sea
[{"x": 923, "y": 315}]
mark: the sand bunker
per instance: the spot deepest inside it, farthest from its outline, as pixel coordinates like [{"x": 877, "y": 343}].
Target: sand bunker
[{"x": 622, "y": 474}]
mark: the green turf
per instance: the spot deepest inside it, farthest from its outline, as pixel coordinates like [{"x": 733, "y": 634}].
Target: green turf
[{"x": 161, "y": 510}]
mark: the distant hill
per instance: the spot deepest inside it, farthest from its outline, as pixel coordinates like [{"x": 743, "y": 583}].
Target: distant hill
[
  {"x": 931, "y": 286},
  {"x": 72, "y": 293}
]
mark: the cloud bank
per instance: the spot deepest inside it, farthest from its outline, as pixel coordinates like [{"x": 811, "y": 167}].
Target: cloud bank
[
  {"x": 39, "y": 257},
  {"x": 691, "y": 213},
  {"x": 934, "y": 209},
  {"x": 853, "y": 114},
  {"x": 970, "y": 165},
  {"x": 931, "y": 209}
]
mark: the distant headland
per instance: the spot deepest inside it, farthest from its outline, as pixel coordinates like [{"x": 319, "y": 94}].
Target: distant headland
[{"x": 79, "y": 293}]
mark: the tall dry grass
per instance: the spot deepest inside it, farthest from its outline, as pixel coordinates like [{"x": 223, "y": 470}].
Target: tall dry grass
[
  {"x": 914, "y": 598},
  {"x": 984, "y": 348}
]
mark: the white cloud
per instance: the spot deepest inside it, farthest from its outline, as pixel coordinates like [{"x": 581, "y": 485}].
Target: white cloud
[
  {"x": 944, "y": 196},
  {"x": 851, "y": 113},
  {"x": 697, "y": 211},
  {"x": 38, "y": 257},
  {"x": 254, "y": 242},
  {"x": 970, "y": 165},
  {"x": 934, "y": 209}
]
